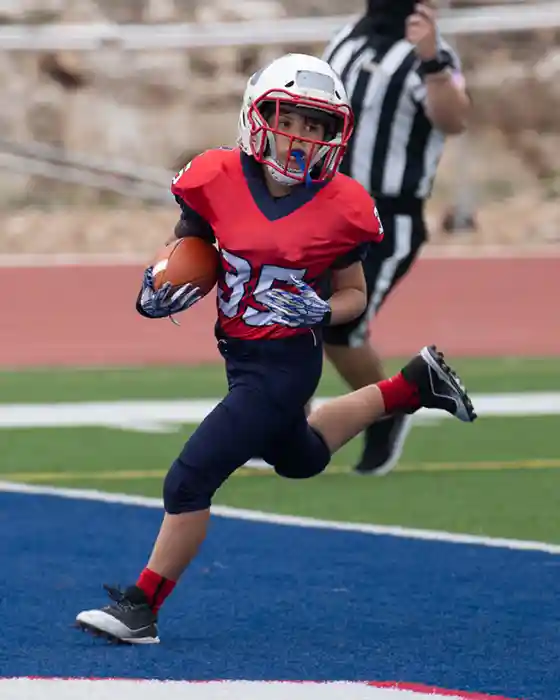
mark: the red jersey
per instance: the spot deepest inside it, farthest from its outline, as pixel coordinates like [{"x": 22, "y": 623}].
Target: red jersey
[{"x": 263, "y": 240}]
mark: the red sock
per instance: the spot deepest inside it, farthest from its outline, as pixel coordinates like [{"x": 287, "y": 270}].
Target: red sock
[
  {"x": 399, "y": 395},
  {"x": 156, "y": 588}
]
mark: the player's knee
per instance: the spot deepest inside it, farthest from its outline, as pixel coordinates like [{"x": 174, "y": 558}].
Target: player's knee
[
  {"x": 299, "y": 470},
  {"x": 307, "y": 465},
  {"x": 183, "y": 492}
]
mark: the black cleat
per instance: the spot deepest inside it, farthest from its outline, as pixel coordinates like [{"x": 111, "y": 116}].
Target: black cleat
[
  {"x": 384, "y": 442},
  {"x": 438, "y": 385},
  {"x": 129, "y": 620}
]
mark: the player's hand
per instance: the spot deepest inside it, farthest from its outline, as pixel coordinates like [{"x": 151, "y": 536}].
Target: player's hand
[
  {"x": 421, "y": 31},
  {"x": 304, "y": 308},
  {"x": 168, "y": 300}
]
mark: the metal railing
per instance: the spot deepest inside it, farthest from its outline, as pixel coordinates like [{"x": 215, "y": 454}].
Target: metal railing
[
  {"x": 134, "y": 37},
  {"x": 120, "y": 177}
]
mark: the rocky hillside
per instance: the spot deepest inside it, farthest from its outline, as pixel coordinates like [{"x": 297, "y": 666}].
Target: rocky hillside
[{"x": 157, "y": 108}]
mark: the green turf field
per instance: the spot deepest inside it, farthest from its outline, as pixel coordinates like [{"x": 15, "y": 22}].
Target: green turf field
[{"x": 500, "y": 476}]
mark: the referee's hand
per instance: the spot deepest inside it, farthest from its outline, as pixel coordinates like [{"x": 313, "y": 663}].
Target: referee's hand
[{"x": 421, "y": 31}]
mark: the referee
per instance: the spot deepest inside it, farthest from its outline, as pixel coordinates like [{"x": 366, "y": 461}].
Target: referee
[{"x": 407, "y": 93}]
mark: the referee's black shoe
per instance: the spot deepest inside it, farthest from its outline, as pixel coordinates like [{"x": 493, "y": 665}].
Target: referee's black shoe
[{"x": 383, "y": 446}]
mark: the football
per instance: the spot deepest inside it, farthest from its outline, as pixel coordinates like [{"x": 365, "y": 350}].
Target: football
[{"x": 187, "y": 260}]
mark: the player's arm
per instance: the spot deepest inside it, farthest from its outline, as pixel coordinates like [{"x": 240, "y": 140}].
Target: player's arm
[
  {"x": 348, "y": 288},
  {"x": 188, "y": 189},
  {"x": 191, "y": 224},
  {"x": 169, "y": 301},
  {"x": 306, "y": 308}
]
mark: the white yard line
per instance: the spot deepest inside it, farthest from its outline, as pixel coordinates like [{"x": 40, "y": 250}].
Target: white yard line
[
  {"x": 290, "y": 520},
  {"x": 138, "y": 689},
  {"x": 162, "y": 415}
]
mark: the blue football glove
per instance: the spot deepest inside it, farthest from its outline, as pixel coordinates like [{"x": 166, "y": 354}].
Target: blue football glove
[
  {"x": 295, "y": 310},
  {"x": 168, "y": 300}
]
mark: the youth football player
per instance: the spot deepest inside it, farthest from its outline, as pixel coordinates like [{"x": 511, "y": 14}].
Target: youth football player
[{"x": 283, "y": 218}]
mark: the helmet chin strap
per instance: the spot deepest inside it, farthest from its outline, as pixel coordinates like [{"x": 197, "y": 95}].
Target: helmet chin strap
[
  {"x": 286, "y": 179},
  {"x": 280, "y": 177}
]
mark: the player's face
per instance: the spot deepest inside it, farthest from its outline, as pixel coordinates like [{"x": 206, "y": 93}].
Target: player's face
[{"x": 295, "y": 128}]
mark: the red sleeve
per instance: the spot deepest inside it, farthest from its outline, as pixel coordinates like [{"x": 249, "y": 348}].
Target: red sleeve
[
  {"x": 191, "y": 183},
  {"x": 359, "y": 211},
  {"x": 363, "y": 216}
]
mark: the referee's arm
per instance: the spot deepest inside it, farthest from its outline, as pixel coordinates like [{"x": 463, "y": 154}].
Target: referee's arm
[{"x": 446, "y": 101}]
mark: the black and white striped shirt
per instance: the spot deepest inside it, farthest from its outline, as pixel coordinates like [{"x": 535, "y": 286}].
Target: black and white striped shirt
[{"x": 395, "y": 150}]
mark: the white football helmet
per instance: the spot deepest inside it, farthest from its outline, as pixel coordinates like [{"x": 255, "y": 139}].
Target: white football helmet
[{"x": 310, "y": 86}]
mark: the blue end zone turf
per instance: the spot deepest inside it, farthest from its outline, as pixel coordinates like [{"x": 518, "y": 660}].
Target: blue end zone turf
[{"x": 270, "y": 602}]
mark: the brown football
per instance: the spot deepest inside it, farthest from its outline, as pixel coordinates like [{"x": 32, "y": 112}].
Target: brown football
[{"x": 187, "y": 260}]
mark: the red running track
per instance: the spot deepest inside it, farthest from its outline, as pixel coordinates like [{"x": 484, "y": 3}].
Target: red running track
[{"x": 84, "y": 315}]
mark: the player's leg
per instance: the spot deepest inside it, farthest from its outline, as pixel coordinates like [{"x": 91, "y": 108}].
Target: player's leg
[
  {"x": 269, "y": 383},
  {"x": 265, "y": 395},
  {"x": 300, "y": 452},
  {"x": 426, "y": 381},
  {"x": 349, "y": 348},
  {"x": 232, "y": 433},
  {"x": 305, "y": 449}
]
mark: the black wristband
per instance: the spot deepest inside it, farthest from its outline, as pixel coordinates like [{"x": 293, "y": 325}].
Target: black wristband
[{"x": 434, "y": 65}]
